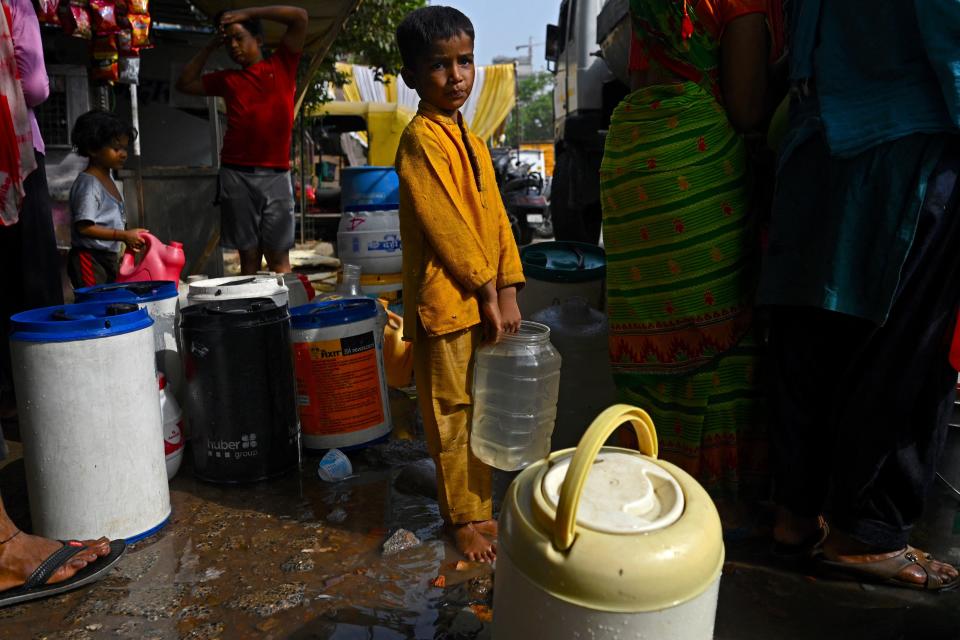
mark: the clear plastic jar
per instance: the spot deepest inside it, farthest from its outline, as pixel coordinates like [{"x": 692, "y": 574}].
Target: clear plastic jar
[{"x": 515, "y": 385}]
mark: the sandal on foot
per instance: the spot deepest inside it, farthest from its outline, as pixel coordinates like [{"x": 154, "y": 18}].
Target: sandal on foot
[
  {"x": 36, "y": 585},
  {"x": 887, "y": 570}
]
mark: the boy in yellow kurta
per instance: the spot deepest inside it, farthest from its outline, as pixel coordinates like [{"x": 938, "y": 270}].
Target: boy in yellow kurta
[{"x": 461, "y": 268}]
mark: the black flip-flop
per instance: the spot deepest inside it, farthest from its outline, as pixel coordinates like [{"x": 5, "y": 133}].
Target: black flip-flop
[{"x": 36, "y": 586}]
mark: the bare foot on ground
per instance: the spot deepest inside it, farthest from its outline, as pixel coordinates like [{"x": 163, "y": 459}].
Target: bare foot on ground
[
  {"x": 21, "y": 555},
  {"x": 488, "y": 528},
  {"x": 471, "y": 543}
]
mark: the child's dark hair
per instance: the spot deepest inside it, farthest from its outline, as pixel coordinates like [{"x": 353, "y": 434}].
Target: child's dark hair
[
  {"x": 422, "y": 27},
  {"x": 97, "y": 129},
  {"x": 253, "y": 25}
]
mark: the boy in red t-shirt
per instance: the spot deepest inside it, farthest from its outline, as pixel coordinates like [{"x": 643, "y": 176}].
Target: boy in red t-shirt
[{"x": 256, "y": 196}]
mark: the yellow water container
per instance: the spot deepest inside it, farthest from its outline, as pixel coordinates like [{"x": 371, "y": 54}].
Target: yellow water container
[{"x": 605, "y": 542}]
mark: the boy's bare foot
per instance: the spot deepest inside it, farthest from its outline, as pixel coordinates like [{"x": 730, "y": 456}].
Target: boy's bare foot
[
  {"x": 488, "y": 528},
  {"x": 22, "y": 554},
  {"x": 471, "y": 543}
]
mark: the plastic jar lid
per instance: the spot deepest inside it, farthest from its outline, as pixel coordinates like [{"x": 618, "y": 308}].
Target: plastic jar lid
[
  {"x": 564, "y": 261},
  {"x": 139, "y": 292},
  {"x": 331, "y": 313},
  {"x": 84, "y": 321},
  {"x": 624, "y": 493}
]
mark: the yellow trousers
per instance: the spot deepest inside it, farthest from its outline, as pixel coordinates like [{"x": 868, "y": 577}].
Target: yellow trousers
[{"x": 443, "y": 367}]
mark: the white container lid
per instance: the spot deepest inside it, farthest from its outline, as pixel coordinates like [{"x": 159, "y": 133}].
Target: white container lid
[
  {"x": 624, "y": 493},
  {"x": 238, "y": 287}
]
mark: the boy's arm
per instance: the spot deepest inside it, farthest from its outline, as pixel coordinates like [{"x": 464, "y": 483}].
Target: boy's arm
[
  {"x": 294, "y": 17},
  {"x": 191, "y": 78},
  {"x": 427, "y": 184}
]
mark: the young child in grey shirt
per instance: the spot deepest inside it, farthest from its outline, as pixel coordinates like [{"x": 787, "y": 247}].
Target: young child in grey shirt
[{"x": 96, "y": 206}]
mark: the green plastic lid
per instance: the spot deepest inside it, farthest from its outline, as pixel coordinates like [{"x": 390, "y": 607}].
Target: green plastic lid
[{"x": 564, "y": 261}]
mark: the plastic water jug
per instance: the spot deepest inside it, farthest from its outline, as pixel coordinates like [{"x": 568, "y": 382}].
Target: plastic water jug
[
  {"x": 159, "y": 262},
  {"x": 515, "y": 385},
  {"x": 172, "y": 418},
  {"x": 604, "y": 542}
]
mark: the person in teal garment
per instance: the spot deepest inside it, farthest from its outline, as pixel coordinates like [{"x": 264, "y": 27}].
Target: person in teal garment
[{"x": 862, "y": 283}]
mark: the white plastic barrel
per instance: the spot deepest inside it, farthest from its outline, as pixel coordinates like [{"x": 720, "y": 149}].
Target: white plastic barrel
[
  {"x": 371, "y": 239},
  {"x": 92, "y": 436},
  {"x": 239, "y": 288},
  {"x": 159, "y": 298},
  {"x": 338, "y": 360}
]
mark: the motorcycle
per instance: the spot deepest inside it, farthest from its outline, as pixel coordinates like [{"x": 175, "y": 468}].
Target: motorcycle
[{"x": 522, "y": 191}]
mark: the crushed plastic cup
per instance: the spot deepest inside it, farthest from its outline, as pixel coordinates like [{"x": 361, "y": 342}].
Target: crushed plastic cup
[{"x": 334, "y": 466}]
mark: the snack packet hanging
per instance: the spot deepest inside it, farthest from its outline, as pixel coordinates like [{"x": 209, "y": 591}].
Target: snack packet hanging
[
  {"x": 104, "y": 60},
  {"x": 47, "y": 12},
  {"x": 140, "y": 28},
  {"x": 75, "y": 20},
  {"x": 104, "y": 17},
  {"x": 129, "y": 70}
]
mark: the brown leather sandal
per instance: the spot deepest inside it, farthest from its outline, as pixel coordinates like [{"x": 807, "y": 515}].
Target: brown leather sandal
[{"x": 886, "y": 570}]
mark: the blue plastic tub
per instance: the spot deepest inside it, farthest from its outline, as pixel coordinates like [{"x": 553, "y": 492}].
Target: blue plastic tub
[{"x": 369, "y": 188}]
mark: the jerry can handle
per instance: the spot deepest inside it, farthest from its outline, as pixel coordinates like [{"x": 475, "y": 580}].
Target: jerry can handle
[{"x": 600, "y": 429}]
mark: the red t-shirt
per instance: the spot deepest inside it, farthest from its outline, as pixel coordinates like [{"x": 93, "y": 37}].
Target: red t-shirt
[{"x": 259, "y": 103}]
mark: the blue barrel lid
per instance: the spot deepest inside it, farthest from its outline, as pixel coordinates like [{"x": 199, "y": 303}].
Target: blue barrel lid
[
  {"x": 139, "y": 292},
  {"x": 332, "y": 313},
  {"x": 562, "y": 261},
  {"x": 84, "y": 321}
]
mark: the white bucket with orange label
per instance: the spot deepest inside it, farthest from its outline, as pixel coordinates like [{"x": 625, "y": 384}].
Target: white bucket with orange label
[{"x": 341, "y": 386}]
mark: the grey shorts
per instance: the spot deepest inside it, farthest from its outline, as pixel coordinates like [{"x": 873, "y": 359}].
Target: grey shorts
[{"x": 256, "y": 209}]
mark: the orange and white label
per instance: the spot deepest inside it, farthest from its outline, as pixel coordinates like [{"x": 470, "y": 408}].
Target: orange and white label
[{"x": 338, "y": 385}]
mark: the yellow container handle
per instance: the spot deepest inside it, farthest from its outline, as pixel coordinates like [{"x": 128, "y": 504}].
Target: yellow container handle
[{"x": 600, "y": 429}]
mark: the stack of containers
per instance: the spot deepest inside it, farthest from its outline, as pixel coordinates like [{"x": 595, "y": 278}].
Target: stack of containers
[
  {"x": 91, "y": 426},
  {"x": 369, "y": 232}
]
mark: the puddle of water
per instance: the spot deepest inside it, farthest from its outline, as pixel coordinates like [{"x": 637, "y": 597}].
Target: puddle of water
[{"x": 265, "y": 561}]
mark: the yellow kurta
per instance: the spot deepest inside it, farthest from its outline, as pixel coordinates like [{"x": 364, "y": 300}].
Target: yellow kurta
[{"x": 456, "y": 235}]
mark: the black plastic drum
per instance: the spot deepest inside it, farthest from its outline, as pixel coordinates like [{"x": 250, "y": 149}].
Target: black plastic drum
[{"x": 240, "y": 392}]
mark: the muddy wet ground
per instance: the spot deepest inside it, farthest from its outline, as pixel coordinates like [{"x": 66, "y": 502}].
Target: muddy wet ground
[{"x": 300, "y": 558}]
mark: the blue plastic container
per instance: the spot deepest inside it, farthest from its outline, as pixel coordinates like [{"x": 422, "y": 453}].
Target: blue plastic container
[
  {"x": 369, "y": 189},
  {"x": 135, "y": 292}
]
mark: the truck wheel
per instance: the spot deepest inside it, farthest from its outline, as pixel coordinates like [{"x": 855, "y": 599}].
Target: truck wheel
[{"x": 570, "y": 222}]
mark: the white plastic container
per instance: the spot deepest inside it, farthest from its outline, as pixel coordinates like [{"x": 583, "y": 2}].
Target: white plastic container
[
  {"x": 515, "y": 385},
  {"x": 580, "y": 334},
  {"x": 341, "y": 385},
  {"x": 239, "y": 288},
  {"x": 603, "y": 542},
  {"x": 172, "y": 419},
  {"x": 92, "y": 434},
  {"x": 159, "y": 298},
  {"x": 371, "y": 239}
]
